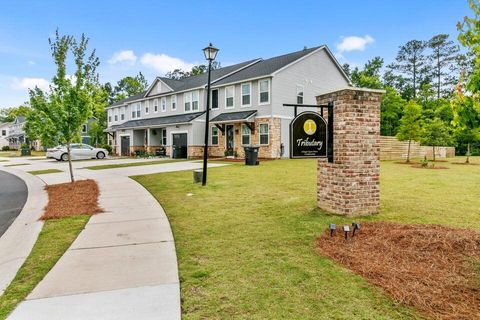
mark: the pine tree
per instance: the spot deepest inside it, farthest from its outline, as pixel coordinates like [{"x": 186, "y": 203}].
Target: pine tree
[{"x": 443, "y": 56}]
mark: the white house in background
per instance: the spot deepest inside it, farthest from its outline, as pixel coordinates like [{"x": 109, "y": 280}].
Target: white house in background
[
  {"x": 4, "y": 130},
  {"x": 246, "y": 107}
]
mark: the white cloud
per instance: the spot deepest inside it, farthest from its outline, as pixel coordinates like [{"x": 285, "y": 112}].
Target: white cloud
[
  {"x": 164, "y": 63},
  {"x": 354, "y": 43},
  {"x": 125, "y": 56},
  {"x": 31, "y": 62},
  {"x": 29, "y": 83}
]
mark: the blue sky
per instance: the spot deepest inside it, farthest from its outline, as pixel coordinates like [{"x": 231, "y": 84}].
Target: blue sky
[{"x": 156, "y": 36}]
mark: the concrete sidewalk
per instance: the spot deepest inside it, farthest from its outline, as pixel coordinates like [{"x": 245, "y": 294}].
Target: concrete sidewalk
[{"x": 123, "y": 265}]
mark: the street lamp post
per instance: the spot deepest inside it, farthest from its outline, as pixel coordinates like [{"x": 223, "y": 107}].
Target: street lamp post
[{"x": 210, "y": 54}]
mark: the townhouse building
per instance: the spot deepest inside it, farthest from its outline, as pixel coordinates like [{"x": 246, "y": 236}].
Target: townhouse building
[{"x": 246, "y": 107}]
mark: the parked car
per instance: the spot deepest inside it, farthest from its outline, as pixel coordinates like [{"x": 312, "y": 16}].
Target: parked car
[
  {"x": 51, "y": 151},
  {"x": 79, "y": 151}
]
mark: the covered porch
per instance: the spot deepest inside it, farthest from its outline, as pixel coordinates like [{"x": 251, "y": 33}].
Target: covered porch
[{"x": 150, "y": 140}]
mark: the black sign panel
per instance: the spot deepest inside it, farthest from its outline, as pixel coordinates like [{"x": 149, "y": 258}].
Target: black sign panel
[{"x": 308, "y": 136}]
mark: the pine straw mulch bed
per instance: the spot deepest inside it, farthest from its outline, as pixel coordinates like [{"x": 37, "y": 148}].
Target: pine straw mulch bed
[
  {"x": 433, "y": 166},
  {"x": 466, "y": 164},
  {"x": 435, "y": 269},
  {"x": 72, "y": 199}
]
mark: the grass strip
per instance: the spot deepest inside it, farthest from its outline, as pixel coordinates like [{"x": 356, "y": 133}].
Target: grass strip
[
  {"x": 131, "y": 164},
  {"x": 54, "y": 239},
  {"x": 46, "y": 171},
  {"x": 16, "y": 164}
]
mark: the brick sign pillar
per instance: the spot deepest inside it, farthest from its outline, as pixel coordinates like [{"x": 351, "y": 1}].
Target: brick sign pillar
[{"x": 350, "y": 185}]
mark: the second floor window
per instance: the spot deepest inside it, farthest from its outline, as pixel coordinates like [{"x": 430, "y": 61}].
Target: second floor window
[
  {"x": 246, "y": 88},
  {"x": 164, "y": 104},
  {"x": 147, "y": 107},
  {"x": 174, "y": 103},
  {"x": 136, "y": 110},
  {"x": 84, "y": 128},
  {"x": 4, "y": 133},
  {"x": 229, "y": 97},
  {"x": 215, "y": 99},
  {"x": 116, "y": 117},
  {"x": 214, "y": 135},
  {"x": 122, "y": 116},
  {"x": 155, "y": 105},
  {"x": 109, "y": 118},
  {"x": 191, "y": 101},
  {"x": 264, "y": 91},
  {"x": 299, "y": 94}
]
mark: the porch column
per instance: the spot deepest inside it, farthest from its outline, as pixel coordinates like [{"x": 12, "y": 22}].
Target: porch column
[{"x": 148, "y": 140}]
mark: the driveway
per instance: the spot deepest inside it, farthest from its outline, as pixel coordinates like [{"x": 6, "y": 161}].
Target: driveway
[{"x": 13, "y": 195}]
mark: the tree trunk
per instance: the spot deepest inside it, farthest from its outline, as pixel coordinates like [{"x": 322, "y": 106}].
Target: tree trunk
[
  {"x": 433, "y": 153},
  {"x": 438, "y": 74},
  {"x": 408, "y": 152},
  {"x": 70, "y": 162},
  {"x": 468, "y": 153}
]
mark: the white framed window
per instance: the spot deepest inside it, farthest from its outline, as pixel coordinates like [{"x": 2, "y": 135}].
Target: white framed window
[
  {"x": 214, "y": 99},
  {"x": 155, "y": 105},
  {"x": 245, "y": 134},
  {"x": 246, "y": 94},
  {"x": 264, "y": 135},
  {"x": 174, "y": 102},
  {"x": 230, "y": 97},
  {"x": 4, "y": 133},
  {"x": 110, "y": 115},
  {"x": 164, "y": 137},
  {"x": 116, "y": 117},
  {"x": 300, "y": 89},
  {"x": 136, "y": 110},
  {"x": 187, "y": 101},
  {"x": 147, "y": 106},
  {"x": 163, "y": 103},
  {"x": 84, "y": 128},
  {"x": 264, "y": 91},
  {"x": 195, "y": 100},
  {"x": 122, "y": 113},
  {"x": 214, "y": 136}
]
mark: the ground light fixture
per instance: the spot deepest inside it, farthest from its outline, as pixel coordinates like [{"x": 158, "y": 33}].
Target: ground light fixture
[
  {"x": 210, "y": 53},
  {"x": 355, "y": 226},
  {"x": 332, "y": 228},
  {"x": 346, "y": 229}
]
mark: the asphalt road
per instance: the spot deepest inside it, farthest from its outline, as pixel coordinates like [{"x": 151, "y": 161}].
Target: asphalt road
[{"x": 13, "y": 195}]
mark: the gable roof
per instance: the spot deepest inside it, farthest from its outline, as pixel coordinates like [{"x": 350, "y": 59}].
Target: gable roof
[
  {"x": 158, "y": 121},
  {"x": 235, "y": 73}
]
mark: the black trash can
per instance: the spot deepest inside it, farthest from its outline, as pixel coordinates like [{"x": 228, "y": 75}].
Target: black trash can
[{"x": 251, "y": 155}]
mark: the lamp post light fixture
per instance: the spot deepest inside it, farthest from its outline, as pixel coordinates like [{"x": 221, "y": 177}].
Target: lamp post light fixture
[{"x": 210, "y": 53}]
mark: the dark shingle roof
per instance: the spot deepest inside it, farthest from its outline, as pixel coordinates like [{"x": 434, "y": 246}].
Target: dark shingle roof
[
  {"x": 265, "y": 67},
  {"x": 131, "y": 98},
  {"x": 159, "y": 121},
  {"x": 234, "y": 116}
]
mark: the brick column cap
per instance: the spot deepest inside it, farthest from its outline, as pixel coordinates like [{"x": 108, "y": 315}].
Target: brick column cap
[{"x": 349, "y": 88}]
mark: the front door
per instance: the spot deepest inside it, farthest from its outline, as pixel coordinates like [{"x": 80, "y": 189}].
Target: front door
[
  {"x": 229, "y": 139},
  {"x": 179, "y": 146},
  {"x": 125, "y": 145}
]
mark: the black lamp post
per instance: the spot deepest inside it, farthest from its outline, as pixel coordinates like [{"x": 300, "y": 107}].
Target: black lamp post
[{"x": 210, "y": 54}]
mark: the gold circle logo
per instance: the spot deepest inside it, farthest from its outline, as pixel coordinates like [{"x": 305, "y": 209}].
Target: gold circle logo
[{"x": 310, "y": 127}]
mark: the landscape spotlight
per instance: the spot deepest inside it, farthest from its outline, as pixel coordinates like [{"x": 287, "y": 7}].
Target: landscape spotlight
[
  {"x": 346, "y": 229},
  {"x": 355, "y": 226},
  {"x": 332, "y": 228}
]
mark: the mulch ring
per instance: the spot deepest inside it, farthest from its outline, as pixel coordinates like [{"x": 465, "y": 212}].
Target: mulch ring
[
  {"x": 72, "y": 199},
  {"x": 405, "y": 162},
  {"x": 435, "y": 269},
  {"x": 429, "y": 166},
  {"x": 466, "y": 164}
]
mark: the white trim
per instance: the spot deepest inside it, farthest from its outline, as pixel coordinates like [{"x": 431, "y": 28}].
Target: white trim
[
  {"x": 147, "y": 106},
  {"x": 163, "y": 104},
  {"x": 259, "y": 133},
  {"x": 149, "y": 89},
  {"x": 155, "y": 105},
  {"x": 172, "y": 98},
  {"x": 211, "y": 99},
  {"x": 211, "y": 136},
  {"x": 299, "y": 59},
  {"x": 233, "y": 97},
  {"x": 249, "y": 135},
  {"x": 269, "y": 91},
  {"x": 241, "y": 95}
]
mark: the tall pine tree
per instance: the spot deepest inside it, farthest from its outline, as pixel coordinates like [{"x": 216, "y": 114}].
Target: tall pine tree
[{"x": 443, "y": 54}]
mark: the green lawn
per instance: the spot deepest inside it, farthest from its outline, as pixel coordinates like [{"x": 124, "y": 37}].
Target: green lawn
[
  {"x": 131, "y": 164},
  {"x": 245, "y": 243},
  {"x": 17, "y": 154},
  {"x": 16, "y": 164},
  {"x": 54, "y": 239},
  {"x": 37, "y": 172}
]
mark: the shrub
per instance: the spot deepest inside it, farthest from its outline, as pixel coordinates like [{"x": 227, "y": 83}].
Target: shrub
[
  {"x": 25, "y": 146},
  {"x": 6, "y": 148},
  {"x": 107, "y": 147}
]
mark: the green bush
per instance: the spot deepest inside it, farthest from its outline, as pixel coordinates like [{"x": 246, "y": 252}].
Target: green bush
[
  {"x": 6, "y": 148},
  {"x": 25, "y": 146},
  {"x": 107, "y": 147}
]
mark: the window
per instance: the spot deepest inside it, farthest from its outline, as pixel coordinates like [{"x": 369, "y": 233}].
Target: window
[
  {"x": 122, "y": 113},
  {"x": 229, "y": 97},
  {"x": 264, "y": 91},
  {"x": 164, "y": 104},
  {"x": 84, "y": 128},
  {"x": 214, "y": 99},
  {"x": 109, "y": 118},
  {"x": 245, "y": 134},
  {"x": 191, "y": 101},
  {"x": 116, "y": 117},
  {"x": 214, "y": 135},
  {"x": 264, "y": 134},
  {"x": 164, "y": 137},
  {"x": 4, "y": 133},
  {"x": 299, "y": 94},
  {"x": 246, "y": 88},
  {"x": 147, "y": 106},
  {"x": 110, "y": 115},
  {"x": 136, "y": 110},
  {"x": 187, "y": 98},
  {"x": 174, "y": 103},
  {"x": 155, "y": 105}
]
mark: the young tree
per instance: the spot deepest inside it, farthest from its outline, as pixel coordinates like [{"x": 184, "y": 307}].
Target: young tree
[
  {"x": 392, "y": 107},
  {"x": 444, "y": 53},
  {"x": 435, "y": 133},
  {"x": 68, "y": 104},
  {"x": 369, "y": 77},
  {"x": 9, "y": 114},
  {"x": 410, "y": 63},
  {"x": 128, "y": 86},
  {"x": 410, "y": 125}
]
